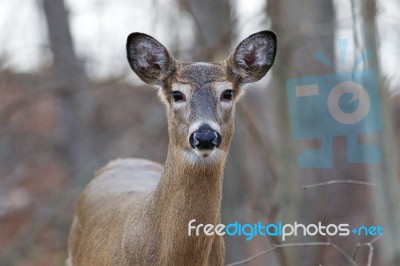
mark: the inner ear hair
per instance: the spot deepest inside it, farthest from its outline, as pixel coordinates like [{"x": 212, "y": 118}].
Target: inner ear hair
[
  {"x": 254, "y": 56},
  {"x": 148, "y": 58}
]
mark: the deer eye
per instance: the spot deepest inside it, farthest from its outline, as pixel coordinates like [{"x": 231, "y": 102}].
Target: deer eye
[
  {"x": 178, "y": 96},
  {"x": 227, "y": 95}
]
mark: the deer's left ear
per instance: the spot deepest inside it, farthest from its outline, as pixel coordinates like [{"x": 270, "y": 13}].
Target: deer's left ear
[{"x": 253, "y": 57}]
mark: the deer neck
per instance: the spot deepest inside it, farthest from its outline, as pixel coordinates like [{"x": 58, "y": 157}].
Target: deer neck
[
  {"x": 194, "y": 190},
  {"x": 187, "y": 191}
]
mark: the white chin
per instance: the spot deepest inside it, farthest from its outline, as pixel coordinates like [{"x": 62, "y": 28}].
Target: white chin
[
  {"x": 195, "y": 156},
  {"x": 205, "y": 153}
]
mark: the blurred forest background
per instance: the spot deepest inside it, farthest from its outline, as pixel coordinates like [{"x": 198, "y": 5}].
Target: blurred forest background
[{"x": 69, "y": 103}]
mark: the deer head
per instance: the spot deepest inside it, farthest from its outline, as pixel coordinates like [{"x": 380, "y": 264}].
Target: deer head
[{"x": 200, "y": 98}]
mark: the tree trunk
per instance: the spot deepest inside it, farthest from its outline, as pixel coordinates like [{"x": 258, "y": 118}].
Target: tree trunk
[
  {"x": 386, "y": 194},
  {"x": 75, "y": 123},
  {"x": 301, "y": 33},
  {"x": 214, "y": 33}
]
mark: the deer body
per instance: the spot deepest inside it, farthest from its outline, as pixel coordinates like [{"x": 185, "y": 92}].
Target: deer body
[{"x": 136, "y": 212}]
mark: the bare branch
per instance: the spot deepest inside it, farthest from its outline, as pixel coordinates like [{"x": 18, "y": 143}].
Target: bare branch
[
  {"x": 355, "y": 182},
  {"x": 370, "y": 247},
  {"x": 275, "y": 247}
]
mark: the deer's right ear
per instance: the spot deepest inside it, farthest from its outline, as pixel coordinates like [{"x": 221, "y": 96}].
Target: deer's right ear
[{"x": 148, "y": 58}]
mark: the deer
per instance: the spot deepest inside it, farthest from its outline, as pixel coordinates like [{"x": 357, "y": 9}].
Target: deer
[{"x": 135, "y": 211}]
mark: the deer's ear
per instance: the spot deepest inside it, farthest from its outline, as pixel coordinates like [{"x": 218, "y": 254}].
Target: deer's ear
[
  {"x": 254, "y": 56},
  {"x": 148, "y": 58}
]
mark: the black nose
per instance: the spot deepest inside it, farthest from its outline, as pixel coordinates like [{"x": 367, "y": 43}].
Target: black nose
[{"x": 205, "y": 138}]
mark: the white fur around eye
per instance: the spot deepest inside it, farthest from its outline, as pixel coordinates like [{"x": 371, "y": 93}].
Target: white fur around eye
[
  {"x": 219, "y": 88},
  {"x": 183, "y": 88},
  {"x": 179, "y": 105}
]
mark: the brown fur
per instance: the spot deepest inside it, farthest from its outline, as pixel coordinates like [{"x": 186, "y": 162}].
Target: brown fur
[{"x": 136, "y": 212}]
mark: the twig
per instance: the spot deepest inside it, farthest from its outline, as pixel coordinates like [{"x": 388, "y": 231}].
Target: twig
[
  {"x": 274, "y": 247},
  {"x": 355, "y": 182},
  {"x": 370, "y": 247}
]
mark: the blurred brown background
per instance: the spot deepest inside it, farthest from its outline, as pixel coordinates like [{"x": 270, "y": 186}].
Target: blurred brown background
[{"x": 69, "y": 103}]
